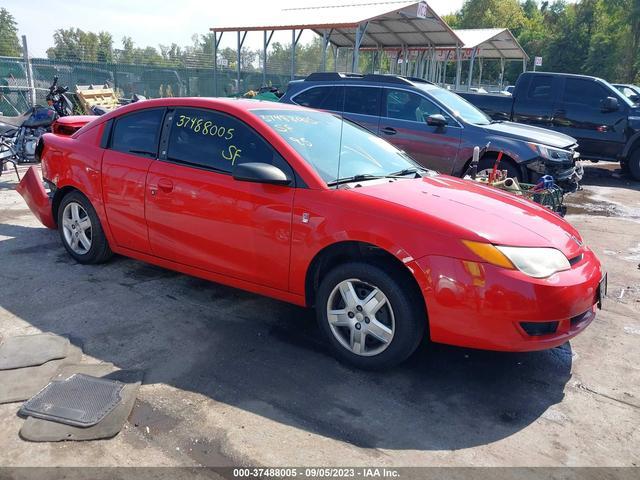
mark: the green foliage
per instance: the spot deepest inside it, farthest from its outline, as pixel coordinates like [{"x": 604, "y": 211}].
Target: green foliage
[
  {"x": 592, "y": 37},
  {"x": 77, "y": 45},
  {"x": 9, "y": 41}
]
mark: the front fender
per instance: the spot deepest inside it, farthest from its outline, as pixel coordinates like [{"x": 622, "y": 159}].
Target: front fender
[{"x": 34, "y": 194}]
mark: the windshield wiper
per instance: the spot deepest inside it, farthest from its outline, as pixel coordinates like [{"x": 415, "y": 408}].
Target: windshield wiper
[
  {"x": 355, "y": 178},
  {"x": 405, "y": 172}
]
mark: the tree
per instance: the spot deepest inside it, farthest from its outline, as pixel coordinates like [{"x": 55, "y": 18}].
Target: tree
[
  {"x": 77, "y": 45},
  {"x": 492, "y": 14},
  {"x": 9, "y": 41}
]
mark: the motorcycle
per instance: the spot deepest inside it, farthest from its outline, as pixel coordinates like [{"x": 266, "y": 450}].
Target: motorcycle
[{"x": 19, "y": 135}]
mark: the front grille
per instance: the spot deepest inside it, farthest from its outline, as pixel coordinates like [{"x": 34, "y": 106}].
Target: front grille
[{"x": 538, "y": 329}]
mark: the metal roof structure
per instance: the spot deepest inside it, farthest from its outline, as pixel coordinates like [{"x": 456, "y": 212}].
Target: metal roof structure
[
  {"x": 388, "y": 24},
  {"x": 400, "y": 26},
  {"x": 492, "y": 43}
]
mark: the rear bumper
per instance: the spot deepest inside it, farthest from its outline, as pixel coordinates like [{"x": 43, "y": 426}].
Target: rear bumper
[
  {"x": 33, "y": 192},
  {"x": 478, "y": 305}
]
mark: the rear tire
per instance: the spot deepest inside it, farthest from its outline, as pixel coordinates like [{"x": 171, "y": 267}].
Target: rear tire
[
  {"x": 372, "y": 317},
  {"x": 80, "y": 230},
  {"x": 632, "y": 165}
]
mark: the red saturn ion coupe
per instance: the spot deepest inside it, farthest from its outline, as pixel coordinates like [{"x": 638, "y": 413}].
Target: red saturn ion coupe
[{"x": 304, "y": 207}]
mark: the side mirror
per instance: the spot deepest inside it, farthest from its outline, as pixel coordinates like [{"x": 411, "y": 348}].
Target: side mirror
[
  {"x": 635, "y": 98},
  {"x": 257, "y": 172},
  {"x": 437, "y": 120},
  {"x": 610, "y": 104}
]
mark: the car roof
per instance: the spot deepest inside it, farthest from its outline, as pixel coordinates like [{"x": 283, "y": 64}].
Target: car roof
[
  {"x": 353, "y": 78},
  {"x": 227, "y": 104}
]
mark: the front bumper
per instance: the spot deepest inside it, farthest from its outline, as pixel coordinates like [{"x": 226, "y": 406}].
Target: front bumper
[
  {"x": 566, "y": 175},
  {"x": 33, "y": 192},
  {"x": 478, "y": 305}
]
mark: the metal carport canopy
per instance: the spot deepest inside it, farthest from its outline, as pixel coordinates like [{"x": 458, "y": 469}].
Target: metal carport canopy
[
  {"x": 388, "y": 24},
  {"x": 400, "y": 25},
  {"x": 492, "y": 43}
]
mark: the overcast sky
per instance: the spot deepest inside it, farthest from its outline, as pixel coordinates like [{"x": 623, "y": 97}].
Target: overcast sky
[{"x": 153, "y": 22}]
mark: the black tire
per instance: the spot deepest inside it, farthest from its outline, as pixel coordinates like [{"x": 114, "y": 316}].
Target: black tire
[
  {"x": 99, "y": 250},
  {"x": 406, "y": 306},
  {"x": 633, "y": 165},
  {"x": 513, "y": 171}
]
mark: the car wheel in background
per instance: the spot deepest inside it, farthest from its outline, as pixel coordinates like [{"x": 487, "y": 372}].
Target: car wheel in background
[
  {"x": 80, "y": 230},
  {"x": 373, "y": 318},
  {"x": 487, "y": 162},
  {"x": 633, "y": 164}
]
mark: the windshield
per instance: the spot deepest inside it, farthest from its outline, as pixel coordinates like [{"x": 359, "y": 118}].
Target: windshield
[
  {"x": 459, "y": 107},
  {"x": 336, "y": 149},
  {"x": 618, "y": 93}
]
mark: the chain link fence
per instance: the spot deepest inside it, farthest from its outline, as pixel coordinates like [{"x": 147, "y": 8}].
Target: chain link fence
[{"x": 152, "y": 81}]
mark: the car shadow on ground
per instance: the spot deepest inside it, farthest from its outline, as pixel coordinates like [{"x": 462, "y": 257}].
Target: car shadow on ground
[{"x": 267, "y": 357}]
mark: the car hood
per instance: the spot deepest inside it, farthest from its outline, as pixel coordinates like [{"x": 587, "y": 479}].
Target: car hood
[
  {"x": 528, "y": 133},
  {"x": 479, "y": 212}
]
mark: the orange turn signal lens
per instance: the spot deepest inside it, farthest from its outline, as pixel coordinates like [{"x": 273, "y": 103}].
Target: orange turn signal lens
[{"x": 489, "y": 254}]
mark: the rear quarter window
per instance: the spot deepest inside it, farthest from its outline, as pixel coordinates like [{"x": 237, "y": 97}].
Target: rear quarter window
[
  {"x": 324, "y": 98},
  {"x": 137, "y": 133}
]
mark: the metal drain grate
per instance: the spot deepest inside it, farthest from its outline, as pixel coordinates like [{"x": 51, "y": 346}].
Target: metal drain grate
[{"x": 80, "y": 400}]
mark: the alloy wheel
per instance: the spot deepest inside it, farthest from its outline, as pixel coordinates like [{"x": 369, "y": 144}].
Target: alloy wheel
[
  {"x": 76, "y": 227},
  {"x": 361, "y": 317}
]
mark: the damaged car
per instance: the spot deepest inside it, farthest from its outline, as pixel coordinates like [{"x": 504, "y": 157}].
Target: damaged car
[
  {"x": 308, "y": 208},
  {"x": 438, "y": 128}
]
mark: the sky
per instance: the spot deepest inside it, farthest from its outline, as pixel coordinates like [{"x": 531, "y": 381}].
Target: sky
[{"x": 153, "y": 22}]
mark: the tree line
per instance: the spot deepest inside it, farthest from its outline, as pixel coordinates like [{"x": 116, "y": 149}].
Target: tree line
[{"x": 593, "y": 37}]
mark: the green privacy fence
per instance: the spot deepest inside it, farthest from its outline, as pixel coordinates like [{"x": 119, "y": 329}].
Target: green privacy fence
[{"x": 149, "y": 80}]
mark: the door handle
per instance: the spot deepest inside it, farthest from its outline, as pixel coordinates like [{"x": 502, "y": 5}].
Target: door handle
[
  {"x": 389, "y": 131},
  {"x": 165, "y": 185}
]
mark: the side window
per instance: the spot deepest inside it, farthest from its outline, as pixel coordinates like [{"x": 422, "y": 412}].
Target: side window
[
  {"x": 404, "y": 105},
  {"x": 362, "y": 100},
  {"x": 325, "y": 98},
  {"x": 588, "y": 93},
  {"x": 540, "y": 88},
  {"x": 217, "y": 141},
  {"x": 137, "y": 133}
]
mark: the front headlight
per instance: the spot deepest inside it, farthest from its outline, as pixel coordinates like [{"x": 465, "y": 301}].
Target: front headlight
[
  {"x": 552, "y": 154},
  {"x": 533, "y": 261},
  {"x": 537, "y": 262}
]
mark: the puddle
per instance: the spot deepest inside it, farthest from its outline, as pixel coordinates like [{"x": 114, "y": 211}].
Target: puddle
[
  {"x": 599, "y": 204},
  {"x": 149, "y": 421},
  {"x": 207, "y": 453}
]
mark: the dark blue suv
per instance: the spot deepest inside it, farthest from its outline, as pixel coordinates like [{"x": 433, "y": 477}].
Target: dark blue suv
[{"x": 438, "y": 128}]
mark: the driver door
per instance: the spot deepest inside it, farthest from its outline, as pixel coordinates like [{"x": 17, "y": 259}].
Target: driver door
[
  {"x": 199, "y": 215},
  {"x": 404, "y": 124}
]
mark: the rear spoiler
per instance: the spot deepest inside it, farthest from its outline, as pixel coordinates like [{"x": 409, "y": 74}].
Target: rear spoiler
[{"x": 67, "y": 126}]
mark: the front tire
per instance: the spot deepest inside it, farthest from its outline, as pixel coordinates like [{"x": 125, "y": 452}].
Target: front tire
[
  {"x": 80, "y": 230},
  {"x": 487, "y": 162},
  {"x": 372, "y": 317},
  {"x": 632, "y": 165}
]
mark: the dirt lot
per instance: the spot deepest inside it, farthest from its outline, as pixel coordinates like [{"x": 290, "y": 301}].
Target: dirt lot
[{"x": 233, "y": 378}]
